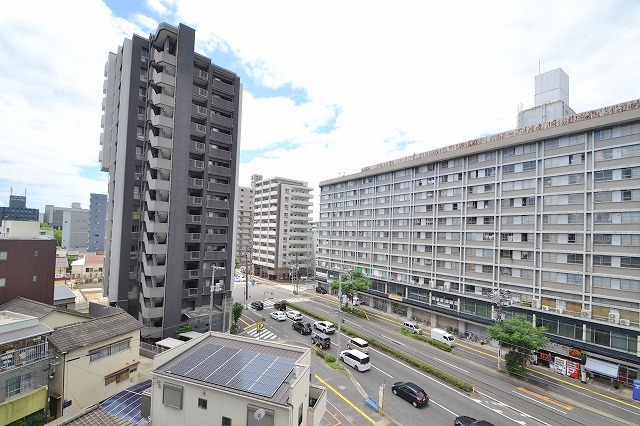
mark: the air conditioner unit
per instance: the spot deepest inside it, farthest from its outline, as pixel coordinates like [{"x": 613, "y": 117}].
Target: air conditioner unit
[
  {"x": 585, "y": 313},
  {"x": 559, "y": 310},
  {"x": 625, "y": 322},
  {"x": 614, "y": 317},
  {"x": 535, "y": 303},
  {"x": 545, "y": 308}
]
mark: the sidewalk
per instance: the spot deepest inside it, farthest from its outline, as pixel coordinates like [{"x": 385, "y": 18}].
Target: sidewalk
[{"x": 600, "y": 386}]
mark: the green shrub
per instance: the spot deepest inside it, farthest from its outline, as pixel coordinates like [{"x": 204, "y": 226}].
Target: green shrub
[
  {"x": 234, "y": 328},
  {"x": 330, "y": 358},
  {"x": 320, "y": 353}
]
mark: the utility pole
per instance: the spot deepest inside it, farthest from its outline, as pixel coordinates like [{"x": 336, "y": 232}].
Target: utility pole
[{"x": 247, "y": 251}]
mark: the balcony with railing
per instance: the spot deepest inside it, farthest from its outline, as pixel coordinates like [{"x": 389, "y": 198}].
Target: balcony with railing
[
  {"x": 200, "y": 74},
  {"x": 18, "y": 358},
  {"x": 200, "y": 92},
  {"x": 163, "y": 57},
  {"x": 198, "y": 129}
]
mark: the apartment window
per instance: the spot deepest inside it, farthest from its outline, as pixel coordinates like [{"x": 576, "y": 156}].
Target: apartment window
[
  {"x": 604, "y": 239},
  {"x": 35, "y": 253},
  {"x": 172, "y": 396},
  {"x": 143, "y": 74},
  {"x": 603, "y": 175},
  {"x": 202, "y": 403},
  {"x": 601, "y": 260},
  {"x": 630, "y": 262},
  {"x": 34, "y": 278},
  {"x": 3, "y": 282},
  {"x": 140, "y": 135},
  {"x": 509, "y": 168},
  {"x": 107, "y": 351},
  {"x": 575, "y": 259},
  {"x": 528, "y": 166},
  {"x": 602, "y": 218},
  {"x": 144, "y": 56},
  {"x": 3, "y": 255}
]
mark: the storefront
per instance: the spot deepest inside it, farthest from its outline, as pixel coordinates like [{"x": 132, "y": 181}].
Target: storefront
[{"x": 561, "y": 359}]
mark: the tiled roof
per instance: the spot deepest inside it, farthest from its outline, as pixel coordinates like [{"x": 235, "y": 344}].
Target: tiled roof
[
  {"x": 21, "y": 305},
  {"x": 93, "y": 331},
  {"x": 91, "y": 416}
]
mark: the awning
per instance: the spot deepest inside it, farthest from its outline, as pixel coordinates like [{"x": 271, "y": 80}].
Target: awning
[
  {"x": 169, "y": 343},
  {"x": 601, "y": 367}
]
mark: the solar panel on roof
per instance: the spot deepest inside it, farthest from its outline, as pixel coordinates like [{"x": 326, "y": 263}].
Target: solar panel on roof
[
  {"x": 239, "y": 369},
  {"x": 127, "y": 404}
]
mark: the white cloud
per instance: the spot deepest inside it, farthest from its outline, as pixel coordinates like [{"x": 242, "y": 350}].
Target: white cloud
[{"x": 397, "y": 78}]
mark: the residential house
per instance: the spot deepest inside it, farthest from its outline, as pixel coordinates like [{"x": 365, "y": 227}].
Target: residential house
[
  {"x": 228, "y": 380},
  {"x": 24, "y": 366},
  {"x": 93, "y": 360},
  {"x": 88, "y": 268}
]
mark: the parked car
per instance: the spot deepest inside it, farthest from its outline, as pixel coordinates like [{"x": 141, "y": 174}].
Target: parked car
[
  {"x": 294, "y": 315},
  {"x": 325, "y": 327},
  {"x": 321, "y": 290},
  {"x": 470, "y": 421},
  {"x": 356, "y": 359},
  {"x": 257, "y": 305},
  {"x": 410, "y": 392},
  {"x": 278, "y": 315},
  {"x": 321, "y": 339},
  {"x": 302, "y": 327},
  {"x": 280, "y": 306}
]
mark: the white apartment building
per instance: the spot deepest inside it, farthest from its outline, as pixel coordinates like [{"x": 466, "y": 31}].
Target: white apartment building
[
  {"x": 229, "y": 380},
  {"x": 244, "y": 213},
  {"x": 541, "y": 221},
  {"x": 282, "y": 236}
]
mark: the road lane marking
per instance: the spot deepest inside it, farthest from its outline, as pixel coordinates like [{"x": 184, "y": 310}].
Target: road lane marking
[
  {"x": 344, "y": 398},
  {"x": 451, "y": 365},
  {"x": 394, "y": 341},
  {"x": 383, "y": 372},
  {"x": 546, "y": 398},
  {"x": 538, "y": 402}
]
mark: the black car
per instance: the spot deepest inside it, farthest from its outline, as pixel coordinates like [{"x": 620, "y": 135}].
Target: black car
[
  {"x": 301, "y": 327},
  {"x": 257, "y": 305},
  {"x": 470, "y": 421},
  {"x": 321, "y": 290},
  {"x": 280, "y": 306},
  {"x": 410, "y": 392}
]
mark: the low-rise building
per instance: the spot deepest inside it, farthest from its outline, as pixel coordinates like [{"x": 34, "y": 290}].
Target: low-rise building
[
  {"x": 24, "y": 366},
  {"x": 88, "y": 268},
  {"x": 93, "y": 360},
  {"x": 231, "y": 380}
]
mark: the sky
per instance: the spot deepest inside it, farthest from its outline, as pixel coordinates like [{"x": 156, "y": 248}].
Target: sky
[{"x": 329, "y": 87}]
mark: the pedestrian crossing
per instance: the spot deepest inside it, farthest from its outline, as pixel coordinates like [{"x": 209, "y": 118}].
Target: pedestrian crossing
[
  {"x": 269, "y": 303},
  {"x": 263, "y": 335}
]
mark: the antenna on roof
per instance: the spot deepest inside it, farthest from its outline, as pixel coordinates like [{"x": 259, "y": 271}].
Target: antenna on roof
[{"x": 538, "y": 66}]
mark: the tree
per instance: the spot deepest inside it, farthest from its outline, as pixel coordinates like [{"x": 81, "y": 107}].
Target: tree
[
  {"x": 352, "y": 283},
  {"x": 236, "y": 311},
  {"x": 521, "y": 337},
  {"x": 57, "y": 234},
  {"x": 185, "y": 328}
]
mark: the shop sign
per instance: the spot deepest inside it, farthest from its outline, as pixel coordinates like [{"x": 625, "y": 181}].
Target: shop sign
[{"x": 395, "y": 297}]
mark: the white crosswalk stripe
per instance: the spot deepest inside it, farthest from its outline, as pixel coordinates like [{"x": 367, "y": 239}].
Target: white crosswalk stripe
[
  {"x": 264, "y": 335},
  {"x": 269, "y": 303}
]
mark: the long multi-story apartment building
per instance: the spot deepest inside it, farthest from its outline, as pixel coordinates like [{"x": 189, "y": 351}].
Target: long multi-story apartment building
[
  {"x": 541, "y": 221},
  {"x": 97, "y": 219},
  {"x": 282, "y": 236},
  {"x": 244, "y": 229},
  {"x": 170, "y": 145}
]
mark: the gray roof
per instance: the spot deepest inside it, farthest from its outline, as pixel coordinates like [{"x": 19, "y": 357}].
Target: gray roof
[
  {"x": 24, "y": 333},
  {"x": 29, "y": 307},
  {"x": 32, "y": 308},
  {"x": 93, "y": 331},
  {"x": 61, "y": 292}
]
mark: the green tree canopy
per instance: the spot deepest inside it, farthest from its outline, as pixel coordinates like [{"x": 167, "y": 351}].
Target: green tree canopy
[
  {"x": 522, "y": 338},
  {"x": 57, "y": 234},
  {"x": 352, "y": 283},
  {"x": 236, "y": 311}
]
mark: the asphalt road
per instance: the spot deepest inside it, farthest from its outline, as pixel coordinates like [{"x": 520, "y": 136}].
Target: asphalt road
[{"x": 543, "y": 399}]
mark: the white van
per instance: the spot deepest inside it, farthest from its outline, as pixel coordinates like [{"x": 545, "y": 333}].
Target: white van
[
  {"x": 359, "y": 344},
  {"x": 412, "y": 326},
  {"x": 443, "y": 336},
  {"x": 356, "y": 301},
  {"x": 356, "y": 359}
]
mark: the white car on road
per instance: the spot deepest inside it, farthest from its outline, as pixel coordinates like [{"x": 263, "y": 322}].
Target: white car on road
[
  {"x": 294, "y": 315},
  {"x": 278, "y": 316},
  {"x": 324, "y": 326}
]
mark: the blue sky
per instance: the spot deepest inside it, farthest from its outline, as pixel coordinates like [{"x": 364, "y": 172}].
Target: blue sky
[{"x": 329, "y": 87}]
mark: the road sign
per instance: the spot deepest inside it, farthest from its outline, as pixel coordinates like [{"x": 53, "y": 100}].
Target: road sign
[{"x": 260, "y": 327}]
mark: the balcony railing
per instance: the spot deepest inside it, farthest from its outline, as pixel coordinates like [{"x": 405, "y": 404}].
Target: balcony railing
[{"x": 24, "y": 356}]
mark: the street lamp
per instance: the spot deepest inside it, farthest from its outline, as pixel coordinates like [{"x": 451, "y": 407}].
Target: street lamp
[
  {"x": 211, "y": 289},
  {"x": 340, "y": 304}
]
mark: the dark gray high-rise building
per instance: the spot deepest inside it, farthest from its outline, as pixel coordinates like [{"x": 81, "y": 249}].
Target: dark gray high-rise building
[
  {"x": 170, "y": 145},
  {"x": 97, "y": 219},
  {"x": 18, "y": 210}
]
